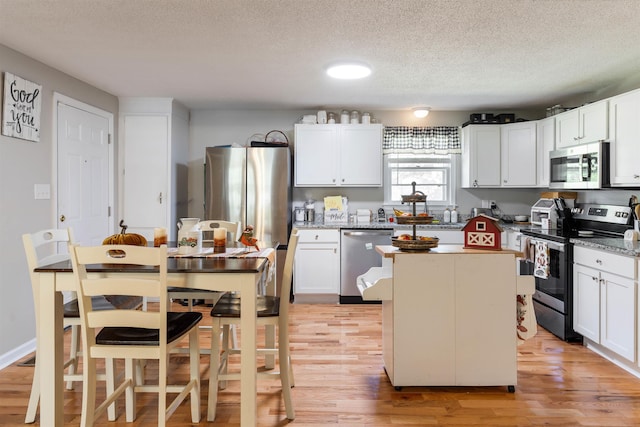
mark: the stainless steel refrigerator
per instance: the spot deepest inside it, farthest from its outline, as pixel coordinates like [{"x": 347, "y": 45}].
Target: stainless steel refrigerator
[{"x": 251, "y": 185}]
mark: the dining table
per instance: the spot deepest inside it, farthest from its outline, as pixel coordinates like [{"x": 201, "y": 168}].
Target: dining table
[{"x": 242, "y": 274}]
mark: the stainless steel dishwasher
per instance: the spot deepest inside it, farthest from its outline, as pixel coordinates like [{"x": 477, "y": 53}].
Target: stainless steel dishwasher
[{"x": 357, "y": 256}]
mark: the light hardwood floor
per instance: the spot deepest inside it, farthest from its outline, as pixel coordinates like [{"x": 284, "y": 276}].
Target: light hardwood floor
[{"x": 340, "y": 380}]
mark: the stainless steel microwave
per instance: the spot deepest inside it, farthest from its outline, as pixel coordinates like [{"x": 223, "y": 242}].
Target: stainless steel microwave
[{"x": 580, "y": 167}]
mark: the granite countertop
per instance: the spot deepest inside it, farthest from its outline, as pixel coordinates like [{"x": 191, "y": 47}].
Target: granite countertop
[
  {"x": 619, "y": 245},
  {"x": 377, "y": 225}
]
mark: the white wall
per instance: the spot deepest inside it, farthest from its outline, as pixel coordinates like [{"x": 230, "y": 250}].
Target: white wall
[{"x": 23, "y": 164}]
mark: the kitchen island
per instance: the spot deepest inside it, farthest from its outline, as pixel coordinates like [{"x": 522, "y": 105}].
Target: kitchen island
[{"x": 449, "y": 319}]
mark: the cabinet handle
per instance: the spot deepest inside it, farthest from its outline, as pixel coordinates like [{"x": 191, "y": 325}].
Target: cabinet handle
[
  {"x": 636, "y": 176},
  {"x": 594, "y": 278},
  {"x": 599, "y": 261},
  {"x": 475, "y": 182},
  {"x": 160, "y": 197},
  {"x": 504, "y": 181},
  {"x": 317, "y": 237}
]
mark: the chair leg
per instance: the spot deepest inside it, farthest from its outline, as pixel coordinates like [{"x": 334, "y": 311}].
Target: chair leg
[
  {"x": 74, "y": 353},
  {"x": 34, "y": 398},
  {"x": 214, "y": 367},
  {"x": 109, "y": 370},
  {"x": 224, "y": 357},
  {"x": 194, "y": 364},
  {"x": 130, "y": 372},
  {"x": 286, "y": 372},
  {"x": 163, "y": 364},
  {"x": 88, "y": 392}
]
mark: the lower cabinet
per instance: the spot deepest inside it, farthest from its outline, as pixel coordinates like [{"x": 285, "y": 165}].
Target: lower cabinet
[
  {"x": 605, "y": 303},
  {"x": 316, "y": 273}
]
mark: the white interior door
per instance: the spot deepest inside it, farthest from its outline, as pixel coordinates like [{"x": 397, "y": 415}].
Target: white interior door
[{"x": 83, "y": 165}]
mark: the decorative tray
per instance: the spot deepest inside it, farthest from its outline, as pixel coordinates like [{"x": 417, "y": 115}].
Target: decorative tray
[
  {"x": 420, "y": 244},
  {"x": 414, "y": 198},
  {"x": 410, "y": 219}
]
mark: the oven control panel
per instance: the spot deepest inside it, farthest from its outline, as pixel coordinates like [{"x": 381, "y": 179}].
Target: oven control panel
[{"x": 603, "y": 213}]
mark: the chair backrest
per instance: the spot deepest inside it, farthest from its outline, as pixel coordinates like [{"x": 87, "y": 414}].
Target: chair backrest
[
  {"x": 41, "y": 248},
  {"x": 287, "y": 274},
  {"x": 233, "y": 228},
  {"x": 151, "y": 285}
]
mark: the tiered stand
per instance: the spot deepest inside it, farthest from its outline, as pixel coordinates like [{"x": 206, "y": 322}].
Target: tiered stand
[{"x": 416, "y": 243}]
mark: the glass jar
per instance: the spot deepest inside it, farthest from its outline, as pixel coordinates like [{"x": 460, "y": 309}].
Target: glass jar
[
  {"x": 366, "y": 118},
  {"x": 355, "y": 117},
  {"x": 344, "y": 117},
  {"x": 332, "y": 118}
]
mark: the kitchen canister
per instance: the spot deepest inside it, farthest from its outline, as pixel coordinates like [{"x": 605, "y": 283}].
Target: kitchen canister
[
  {"x": 189, "y": 236},
  {"x": 344, "y": 117},
  {"x": 322, "y": 117},
  {"x": 355, "y": 117},
  {"x": 366, "y": 118}
]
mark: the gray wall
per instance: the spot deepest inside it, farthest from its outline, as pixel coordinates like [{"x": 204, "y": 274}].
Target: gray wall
[{"x": 23, "y": 164}]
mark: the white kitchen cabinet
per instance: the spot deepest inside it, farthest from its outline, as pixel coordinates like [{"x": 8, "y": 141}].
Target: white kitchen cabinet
[
  {"x": 154, "y": 134},
  {"x": 481, "y": 156},
  {"x": 518, "y": 154},
  {"x": 624, "y": 131},
  {"x": 605, "y": 300},
  {"x": 316, "y": 274},
  {"x": 546, "y": 142},
  {"x": 582, "y": 125},
  {"x": 437, "y": 328},
  {"x": 338, "y": 155}
]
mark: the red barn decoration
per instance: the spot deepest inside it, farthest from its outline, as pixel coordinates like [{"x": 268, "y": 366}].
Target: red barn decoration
[{"x": 482, "y": 232}]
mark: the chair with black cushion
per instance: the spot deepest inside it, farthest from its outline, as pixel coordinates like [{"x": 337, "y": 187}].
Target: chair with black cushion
[
  {"x": 272, "y": 311},
  {"x": 48, "y": 247},
  {"x": 133, "y": 334}
]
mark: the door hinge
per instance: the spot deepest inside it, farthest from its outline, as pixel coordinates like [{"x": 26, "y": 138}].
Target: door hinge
[
  {"x": 108, "y": 211},
  {"x": 109, "y": 139}
]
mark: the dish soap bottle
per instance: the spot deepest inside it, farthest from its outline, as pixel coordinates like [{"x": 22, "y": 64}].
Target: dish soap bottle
[
  {"x": 447, "y": 215},
  {"x": 454, "y": 215}
]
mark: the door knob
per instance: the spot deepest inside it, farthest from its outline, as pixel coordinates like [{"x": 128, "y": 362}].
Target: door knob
[{"x": 62, "y": 218}]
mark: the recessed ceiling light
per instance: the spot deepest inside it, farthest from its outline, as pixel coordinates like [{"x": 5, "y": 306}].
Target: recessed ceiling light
[
  {"x": 349, "y": 71},
  {"x": 421, "y": 112}
]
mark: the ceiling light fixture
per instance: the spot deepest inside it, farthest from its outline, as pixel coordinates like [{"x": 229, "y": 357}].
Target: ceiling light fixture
[
  {"x": 349, "y": 71},
  {"x": 421, "y": 112}
]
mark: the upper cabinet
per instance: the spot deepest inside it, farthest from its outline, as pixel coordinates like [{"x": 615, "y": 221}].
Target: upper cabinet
[
  {"x": 518, "y": 154},
  {"x": 582, "y": 125},
  {"x": 546, "y": 142},
  {"x": 481, "y": 156},
  {"x": 338, "y": 155},
  {"x": 624, "y": 129},
  {"x": 499, "y": 155}
]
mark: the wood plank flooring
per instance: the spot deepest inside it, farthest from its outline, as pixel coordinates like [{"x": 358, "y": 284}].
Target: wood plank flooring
[{"x": 340, "y": 380}]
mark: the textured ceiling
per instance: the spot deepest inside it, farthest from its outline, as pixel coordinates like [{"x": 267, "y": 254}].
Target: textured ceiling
[{"x": 254, "y": 54}]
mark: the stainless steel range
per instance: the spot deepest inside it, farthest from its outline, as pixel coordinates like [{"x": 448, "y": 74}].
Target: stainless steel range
[{"x": 549, "y": 257}]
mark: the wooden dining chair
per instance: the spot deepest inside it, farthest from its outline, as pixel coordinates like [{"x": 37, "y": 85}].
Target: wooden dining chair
[
  {"x": 133, "y": 334},
  {"x": 271, "y": 311},
  {"x": 48, "y": 247},
  {"x": 192, "y": 295}
]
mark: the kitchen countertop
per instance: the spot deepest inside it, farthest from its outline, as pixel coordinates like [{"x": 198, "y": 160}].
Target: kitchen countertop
[
  {"x": 619, "y": 245},
  {"x": 377, "y": 225}
]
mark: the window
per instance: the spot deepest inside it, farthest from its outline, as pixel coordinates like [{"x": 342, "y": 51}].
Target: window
[{"x": 433, "y": 174}]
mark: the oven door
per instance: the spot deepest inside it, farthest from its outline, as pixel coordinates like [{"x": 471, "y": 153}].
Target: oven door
[{"x": 553, "y": 290}]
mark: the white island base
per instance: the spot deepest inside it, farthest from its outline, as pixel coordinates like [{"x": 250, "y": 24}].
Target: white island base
[{"x": 451, "y": 318}]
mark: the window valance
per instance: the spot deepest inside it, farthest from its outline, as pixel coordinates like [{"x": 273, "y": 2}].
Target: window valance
[{"x": 426, "y": 140}]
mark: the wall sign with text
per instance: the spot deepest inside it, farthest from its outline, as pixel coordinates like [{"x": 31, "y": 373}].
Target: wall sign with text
[{"x": 22, "y": 108}]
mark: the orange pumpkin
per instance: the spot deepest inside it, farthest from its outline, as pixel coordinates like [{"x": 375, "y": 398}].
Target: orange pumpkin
[{"x": 125, "y": 239}]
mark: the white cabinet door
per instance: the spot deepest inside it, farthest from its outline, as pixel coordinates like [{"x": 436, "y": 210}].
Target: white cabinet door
[
  {"x": 586, "y": 302},
  {"x": 361, "y": 155},
  {"x": 481, "y": 156},
  {"x": 624, "y": 128},
  {"x": 338, "y": 155},
  {"x": 546, "y": 142},
  {"x": 582, "y": 125},
  {"x": 594, "y": 122},
  {"x": 316, "y": 155},
  {"x": 317, "y": 263},
  {"x": 519, "y": 153},
  {"x": 617, "y": 315}
]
